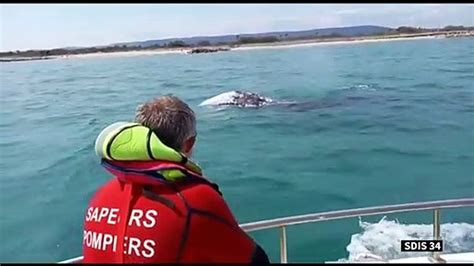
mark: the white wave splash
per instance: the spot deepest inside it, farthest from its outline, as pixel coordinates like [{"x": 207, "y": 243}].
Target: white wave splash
[
  {"x": 367, "y": 87},
  {"x": 362, "y": 87},
  {"x": 383, "y": 239}
]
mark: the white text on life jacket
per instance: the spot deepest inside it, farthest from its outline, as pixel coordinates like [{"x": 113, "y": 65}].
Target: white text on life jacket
[
  {"x": 110, "y": 215},
  {"x": 108, "y": 242},
  {"x": 131, "y": 245}
]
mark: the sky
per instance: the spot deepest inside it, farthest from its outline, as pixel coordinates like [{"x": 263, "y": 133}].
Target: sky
[{"x": 46, "y": 26}]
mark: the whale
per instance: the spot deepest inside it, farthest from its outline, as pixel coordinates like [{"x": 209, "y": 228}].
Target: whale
[
  {"x": 239, "y": 99},
  {"x": 249, "y": 99}
]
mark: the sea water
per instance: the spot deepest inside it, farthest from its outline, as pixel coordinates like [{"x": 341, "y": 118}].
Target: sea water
[{"x": 391, "y": 122}]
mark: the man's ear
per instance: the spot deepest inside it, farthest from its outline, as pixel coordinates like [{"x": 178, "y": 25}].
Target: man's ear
[{"x": 189, "y": 144}]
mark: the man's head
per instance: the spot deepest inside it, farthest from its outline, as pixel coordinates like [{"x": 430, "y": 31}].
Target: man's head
[{"x": 172, "y": 120}]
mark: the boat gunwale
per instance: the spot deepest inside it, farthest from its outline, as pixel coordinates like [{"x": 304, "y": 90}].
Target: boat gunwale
[{"x": 343, "y": 214}]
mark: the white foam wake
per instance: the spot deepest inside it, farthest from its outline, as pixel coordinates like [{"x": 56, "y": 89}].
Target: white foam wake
[{"x": 383, "y": 239}]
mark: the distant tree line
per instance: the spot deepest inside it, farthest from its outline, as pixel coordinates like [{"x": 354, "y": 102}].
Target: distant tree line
[
  {"x": 57, "y": 52},
  {"x": 266, "y": 39},
  {"x": 457, "y": 28},
  {"x": 204, "y": 43},
  {"x": 88, "y": 50},
  {"x": 239, "y": 40},
  {"x": 406, "y": 29}
]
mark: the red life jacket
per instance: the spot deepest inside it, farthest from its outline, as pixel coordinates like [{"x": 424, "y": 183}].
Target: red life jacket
[{"x": 140, "y": 217}]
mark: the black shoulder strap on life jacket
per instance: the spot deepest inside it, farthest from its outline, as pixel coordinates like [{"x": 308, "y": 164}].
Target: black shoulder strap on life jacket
[{"x": 211, "y": 184}]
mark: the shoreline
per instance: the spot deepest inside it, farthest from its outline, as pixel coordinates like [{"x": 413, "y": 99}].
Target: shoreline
[
  {"x": 279, "y": 45},
  {"x": 246, "y": 47}
]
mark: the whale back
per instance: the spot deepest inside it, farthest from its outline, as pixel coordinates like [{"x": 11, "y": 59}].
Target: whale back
[
  {"x": 238, "y": 98},
  {"x": 221, "y": 99}
]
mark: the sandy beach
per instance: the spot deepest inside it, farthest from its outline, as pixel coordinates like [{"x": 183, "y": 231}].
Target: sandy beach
[
  {"x": 324, "y": 43},
  {"x": 279, "y": 45}
]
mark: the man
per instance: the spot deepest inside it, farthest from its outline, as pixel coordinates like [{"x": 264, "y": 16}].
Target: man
[{"x": 159, "y": 208}]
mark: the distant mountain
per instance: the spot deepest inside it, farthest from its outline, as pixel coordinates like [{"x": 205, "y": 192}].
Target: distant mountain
[
  {"x": 282, "y": 36},
  {"x": 72, "y": 47}
]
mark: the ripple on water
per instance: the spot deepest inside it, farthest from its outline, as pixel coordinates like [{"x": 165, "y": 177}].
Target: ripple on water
[
  {"x": 259, "y": 182},
  {"x": 456, "y": 70},
  {"x": 337, "y": 198},
  {"x": 400, "y": 151},
  {"x": 192, "y": 70}
]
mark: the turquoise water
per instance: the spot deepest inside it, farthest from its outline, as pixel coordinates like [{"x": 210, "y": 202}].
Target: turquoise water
[{"x": 402, "y": 130}]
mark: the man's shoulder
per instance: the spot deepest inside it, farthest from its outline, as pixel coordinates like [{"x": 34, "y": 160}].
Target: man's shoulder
[
  {"x": 201, "y": 191},
  {"x": 205, "y": 197}
]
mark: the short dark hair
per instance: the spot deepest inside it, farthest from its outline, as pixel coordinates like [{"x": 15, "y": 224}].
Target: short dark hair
[{"x": 171, "y": 119}]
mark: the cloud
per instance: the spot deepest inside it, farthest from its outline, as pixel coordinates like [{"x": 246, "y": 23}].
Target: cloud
[{"x": 350, "y": 11}]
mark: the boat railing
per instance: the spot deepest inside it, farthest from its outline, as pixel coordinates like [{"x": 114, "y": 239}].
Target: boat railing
[{"x": 284, "y": 222}]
